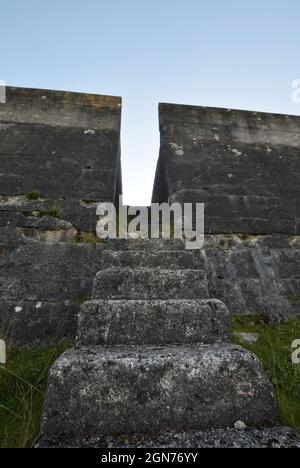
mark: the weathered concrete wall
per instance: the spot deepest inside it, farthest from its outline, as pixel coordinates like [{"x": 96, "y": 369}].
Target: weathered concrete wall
[
  {"x": 43, "y": 284},
  {"x": 245, "y": 167},
  {"x": 41, "y": 287},
  {"x": 255, "y": 274},
  {"x": 59, "y": 157}
]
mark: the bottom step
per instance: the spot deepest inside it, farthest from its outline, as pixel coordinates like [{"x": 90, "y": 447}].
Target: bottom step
[
  {"x": 276, "y": 437},
  {"x": 149, "y": 390}
]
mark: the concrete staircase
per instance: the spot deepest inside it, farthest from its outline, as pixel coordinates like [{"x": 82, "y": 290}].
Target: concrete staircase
[{"x": 153, "y": 364}]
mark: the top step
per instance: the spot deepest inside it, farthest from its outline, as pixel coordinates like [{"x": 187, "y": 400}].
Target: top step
[
  {"x": 165, "y": 259},
  {"x": 143, "y": 244}
]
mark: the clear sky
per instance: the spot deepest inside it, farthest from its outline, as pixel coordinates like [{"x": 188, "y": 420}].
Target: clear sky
[{"x": 225, "y": 53}]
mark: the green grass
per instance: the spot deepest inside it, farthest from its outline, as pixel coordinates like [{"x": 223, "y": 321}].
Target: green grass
[
  {"x": 32, "y": 196},
  {"x": 23, "y": 380},
  {"x": 23, "y": 383},
  {"x": 90, "y": 238},
  {"x": 274, "y": 349},
  {"x": 53, "y": 212},
  {"x": 82, "y": 298}
]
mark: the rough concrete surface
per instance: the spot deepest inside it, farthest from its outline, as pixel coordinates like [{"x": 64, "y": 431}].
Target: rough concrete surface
[
  {"x": 244, "y": 166},
  {"x": 268, "y": 438},
  {"x": 61, "y": 148},
  {"x": 255, "y": 274},
  {"x": 41, "y": 288},
  {"x": 115, "y": 391},
  {"x": 160, "y": 322},
  {"x": 59, "y": 157},
  {"x": 173, "y": 260},
  {"x": 146, "y": 283}
]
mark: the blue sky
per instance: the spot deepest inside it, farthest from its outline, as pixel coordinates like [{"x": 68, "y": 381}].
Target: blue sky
[{"x": 233, "y": 53}]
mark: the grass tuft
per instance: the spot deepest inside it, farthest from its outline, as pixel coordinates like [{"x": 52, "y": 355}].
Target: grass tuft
[
  {"x": 274, "y": 349},
  {"x": 32, "y": 196},
  {"x": 23, "y": 382},
  {"x": 53, "y": 212},
  {"x": 90, "y": 238}
]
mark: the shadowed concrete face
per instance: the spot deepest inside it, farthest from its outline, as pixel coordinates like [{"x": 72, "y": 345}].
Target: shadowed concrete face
[
  {"x": 65, "y": 149},
  {"x": 244, "y": 166},
  {"x": 59, "y": 157}
]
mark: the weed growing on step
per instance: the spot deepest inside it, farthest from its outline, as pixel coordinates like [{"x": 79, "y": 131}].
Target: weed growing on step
[
  {"x": 53, "y": 212},
  {"x": 293, "y": 297},
  {"x": 32, "y": 196},
  {"x": 82, "y": 299},
  {"x": 23, "y": 383},
  {"x": 90, "y": 238},
  {"x": 274, "y": 349}
]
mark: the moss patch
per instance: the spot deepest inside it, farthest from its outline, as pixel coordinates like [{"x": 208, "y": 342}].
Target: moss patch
[
  {"x": 293, "y": 297},
  {"x": 32, "y": 196},
  {"x": 53, "y": 212},
  {"x": 82, "y": 299},
  {"x": 90, "y": 238}
]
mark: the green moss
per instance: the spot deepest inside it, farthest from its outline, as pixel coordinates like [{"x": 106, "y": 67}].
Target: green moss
[
  {"x": 245, "y": 236},
  {"x": 23, "y": 382},
  {"x": 274, "y": 349},
  {"x": 53, "y": 212},
  {"x": 32, "y": 196},
  {"x": 90, "y": 238},
  {"x": 82, "y": 298},
  {"x": 293, "y": 297}
]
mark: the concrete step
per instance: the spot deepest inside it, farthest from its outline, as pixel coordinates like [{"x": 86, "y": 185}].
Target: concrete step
[
  {"x": 148, "y": 245},
  {"x": 144, "y": 283},
  {"x": 149, "y": 390},
  {"x": 181, "y": 260},
  {"x": 274, "y": 437},
  {"x": 155, "y": 322}
]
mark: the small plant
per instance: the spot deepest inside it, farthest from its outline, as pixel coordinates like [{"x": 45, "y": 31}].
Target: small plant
[
  {"x": 53, "y": 212},
  {"x": 244, "y": 236},
  {"x": 82, "y": 298},
  {"x": 90, "y": 238},
  {"x": 293, "y": 297},
  {"x": 32, "y": 196}
]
